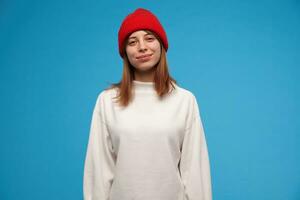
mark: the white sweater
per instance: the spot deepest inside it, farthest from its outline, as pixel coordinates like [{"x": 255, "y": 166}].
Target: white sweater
[{"x": 151, "y": 150}]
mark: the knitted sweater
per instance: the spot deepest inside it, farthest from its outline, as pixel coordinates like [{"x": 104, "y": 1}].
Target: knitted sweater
[{"x": 153, "y": 149}]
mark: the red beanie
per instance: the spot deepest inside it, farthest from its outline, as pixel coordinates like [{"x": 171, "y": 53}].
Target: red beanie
[{"x": 141, "y": 19}]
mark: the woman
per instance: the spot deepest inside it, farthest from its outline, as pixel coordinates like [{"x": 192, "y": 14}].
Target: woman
[{"x": 146, "y": 137}]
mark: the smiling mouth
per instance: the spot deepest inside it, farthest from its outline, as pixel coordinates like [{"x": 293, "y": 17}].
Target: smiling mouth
[{"x": 145, "y": 57}]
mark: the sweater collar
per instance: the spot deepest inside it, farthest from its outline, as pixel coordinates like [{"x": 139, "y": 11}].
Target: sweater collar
[{"x": 141, "y": 86}]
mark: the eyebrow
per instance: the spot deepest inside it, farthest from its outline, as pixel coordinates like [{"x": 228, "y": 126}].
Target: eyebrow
[{"x": 144, "y": 35}]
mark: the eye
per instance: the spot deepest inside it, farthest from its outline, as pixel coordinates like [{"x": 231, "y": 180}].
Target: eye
[
  {"x": 131, "y": 42},
  {"x": 150, "y": 38}
]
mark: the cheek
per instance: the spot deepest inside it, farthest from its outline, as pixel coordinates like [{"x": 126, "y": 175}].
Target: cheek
[
  {"x": 157, "y": 53},
  {"x": 131, "y": 57},
  {"x": 156, "y": 47},
  {"x": 130, "y": 54}
]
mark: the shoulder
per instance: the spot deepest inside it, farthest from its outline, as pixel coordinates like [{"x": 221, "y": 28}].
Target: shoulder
[
  {"x": 189, "y": 98},
  {"x": 103, "y": 100},
  {"x": 106, "y": 95},
  {"x": 185, "y": 93}
]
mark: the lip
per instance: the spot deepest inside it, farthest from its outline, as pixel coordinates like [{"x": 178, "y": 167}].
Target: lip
[{"x": 144, "y": 56}]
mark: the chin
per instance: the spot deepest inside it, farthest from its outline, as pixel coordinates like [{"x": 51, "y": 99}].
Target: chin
[{"x": 144, "y": 67}]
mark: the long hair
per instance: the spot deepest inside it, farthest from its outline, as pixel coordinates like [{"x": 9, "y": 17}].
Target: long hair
[{"x": 162, "y": 79}]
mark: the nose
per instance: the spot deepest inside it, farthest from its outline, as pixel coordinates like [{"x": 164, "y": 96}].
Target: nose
[{"x": 142, "y": 46}]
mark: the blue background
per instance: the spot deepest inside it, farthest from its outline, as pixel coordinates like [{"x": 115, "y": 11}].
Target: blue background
[{"x": 240, "y": 59}]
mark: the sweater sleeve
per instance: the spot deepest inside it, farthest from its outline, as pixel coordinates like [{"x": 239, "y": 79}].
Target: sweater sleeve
[
  {"x": 194, "y": 164},
  {"x": 99, "y": 161}
]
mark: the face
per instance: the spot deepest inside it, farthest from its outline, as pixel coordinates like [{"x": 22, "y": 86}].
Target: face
[{"x": 143, "y": 50}]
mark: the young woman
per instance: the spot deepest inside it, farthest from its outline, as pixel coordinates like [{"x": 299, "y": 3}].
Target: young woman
[{"x": 146, "y": 137}]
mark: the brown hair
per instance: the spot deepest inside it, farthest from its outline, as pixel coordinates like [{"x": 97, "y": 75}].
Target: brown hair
[{"x": 162, "y": 79}]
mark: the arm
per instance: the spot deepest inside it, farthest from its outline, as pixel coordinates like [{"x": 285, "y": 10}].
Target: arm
[
  {"x": 99, "y": 161},
  {"x": 194, "y": 165}
]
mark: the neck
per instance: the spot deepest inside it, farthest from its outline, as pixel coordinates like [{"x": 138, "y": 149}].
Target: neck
[{"x": 145, "y": 76}]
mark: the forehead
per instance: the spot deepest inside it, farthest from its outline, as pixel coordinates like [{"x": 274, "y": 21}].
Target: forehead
[{"x": 139, "y": 33}]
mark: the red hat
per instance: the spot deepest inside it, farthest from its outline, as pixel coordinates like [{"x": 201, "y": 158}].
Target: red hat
[{"x": 141, "y": 19}]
